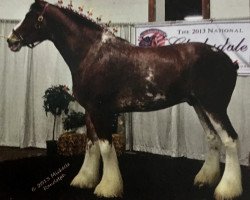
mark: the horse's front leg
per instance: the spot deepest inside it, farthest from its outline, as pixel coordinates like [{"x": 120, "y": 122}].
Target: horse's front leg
[
  {"x": 88, "y": 176},
  {"x": 111, "y": 184}
]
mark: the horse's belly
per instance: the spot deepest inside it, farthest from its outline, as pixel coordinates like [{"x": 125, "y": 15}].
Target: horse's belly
[{"x": 146, "y": 103}]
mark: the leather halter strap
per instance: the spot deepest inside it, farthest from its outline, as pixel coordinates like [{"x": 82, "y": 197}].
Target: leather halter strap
[{"x": 40, "y": 18}]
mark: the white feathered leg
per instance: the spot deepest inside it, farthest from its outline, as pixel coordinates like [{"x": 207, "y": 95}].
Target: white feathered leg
[
  {"x": 230, "y": 186},
  {"x": 111, "y": 184},
  {"x": 88, "y": 176},
  {"x": 210, "y": 171}
]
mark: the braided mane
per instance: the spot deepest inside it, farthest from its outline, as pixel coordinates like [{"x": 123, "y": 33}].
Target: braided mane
[{"x": 82, "y": 18}]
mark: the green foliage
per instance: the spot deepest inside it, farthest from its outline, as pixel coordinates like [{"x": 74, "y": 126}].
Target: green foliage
[
  {"x": 57, "y": 99},
  {"x": 74, "y": 120}
]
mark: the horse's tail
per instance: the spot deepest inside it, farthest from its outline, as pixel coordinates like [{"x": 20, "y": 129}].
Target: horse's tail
[{"x": 236, "y": 65}]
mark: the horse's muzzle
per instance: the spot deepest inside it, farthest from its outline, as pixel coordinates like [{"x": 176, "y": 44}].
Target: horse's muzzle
[{"x": 14, "y": 43}]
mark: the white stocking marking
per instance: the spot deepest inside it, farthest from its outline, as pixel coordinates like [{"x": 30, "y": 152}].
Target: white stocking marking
[
  {"x": 88, "y": 176},
  {"x": 111, "y": 184},
  {"x": 210, "y": 171},
  {"x": 230, "y": 186}
]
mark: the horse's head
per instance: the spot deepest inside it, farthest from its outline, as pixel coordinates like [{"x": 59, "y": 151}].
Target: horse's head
[{"x": 32, "y": 30}]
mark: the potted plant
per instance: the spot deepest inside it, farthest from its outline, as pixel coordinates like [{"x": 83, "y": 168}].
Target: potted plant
[
  {"x": 72, "y": 143},
  {"x": 73, "y": 121},
  {"x": 56, "y": 102}
]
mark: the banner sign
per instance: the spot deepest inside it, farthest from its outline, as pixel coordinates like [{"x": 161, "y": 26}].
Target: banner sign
[{"x": 233, "y": 37}]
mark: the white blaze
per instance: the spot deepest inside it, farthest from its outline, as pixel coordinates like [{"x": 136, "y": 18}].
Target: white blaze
[{"x": 16, "y": 27}]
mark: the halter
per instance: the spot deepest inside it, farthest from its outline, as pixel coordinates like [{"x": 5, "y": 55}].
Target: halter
[{"x": 37, "y": 26}]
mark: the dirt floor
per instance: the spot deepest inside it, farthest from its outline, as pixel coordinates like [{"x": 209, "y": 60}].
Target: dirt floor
[
  {"x": 14, "y": 153},
  {"x": 146, "y": 177}
]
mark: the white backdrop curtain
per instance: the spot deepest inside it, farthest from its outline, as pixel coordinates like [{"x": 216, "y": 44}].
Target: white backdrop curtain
[{"x": 174, "y": 131}]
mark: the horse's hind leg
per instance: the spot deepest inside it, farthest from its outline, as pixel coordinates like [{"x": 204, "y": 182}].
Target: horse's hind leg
[
  {"x": 230, "y": 186},
  {"x": 210, "y": 171},
  {"x": 88, "y": 176}
]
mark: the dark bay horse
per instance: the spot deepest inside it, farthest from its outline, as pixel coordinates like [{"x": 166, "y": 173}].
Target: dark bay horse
[{"x": 111, "y": 76}]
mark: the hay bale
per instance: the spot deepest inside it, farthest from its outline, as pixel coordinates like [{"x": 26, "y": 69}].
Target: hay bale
[
  {"x": 71, "y": 143},
  {"x": 119, "y": 142}
]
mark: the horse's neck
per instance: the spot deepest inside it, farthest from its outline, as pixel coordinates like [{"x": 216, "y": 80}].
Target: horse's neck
[{"x": 72, "y": 40}]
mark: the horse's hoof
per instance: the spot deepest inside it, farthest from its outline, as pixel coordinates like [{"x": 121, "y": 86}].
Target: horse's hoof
[
  {"x": 228, "y": 191},
  {"x": 109, "y": 190},
  {"x": 204, "y": 178},
  {"x": 84, "y": 181}
]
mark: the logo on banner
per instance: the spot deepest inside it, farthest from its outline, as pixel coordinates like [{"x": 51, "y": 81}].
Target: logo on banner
[{"x": 152, "y": 38}]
